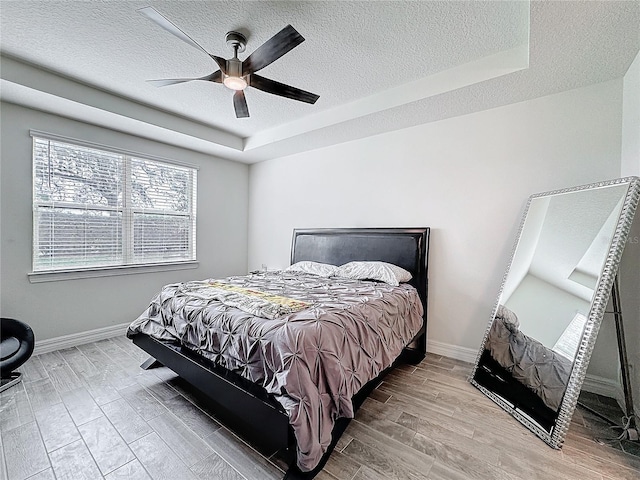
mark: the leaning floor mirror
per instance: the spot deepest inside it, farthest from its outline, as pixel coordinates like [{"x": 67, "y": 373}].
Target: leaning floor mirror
[{"x": 537, "y": 347}]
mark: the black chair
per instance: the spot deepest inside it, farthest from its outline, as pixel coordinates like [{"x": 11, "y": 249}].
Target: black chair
[{"x": 16, "y": 346}]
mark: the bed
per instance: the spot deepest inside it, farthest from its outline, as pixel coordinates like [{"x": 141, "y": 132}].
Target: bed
[{"x": 254, "y": 402}]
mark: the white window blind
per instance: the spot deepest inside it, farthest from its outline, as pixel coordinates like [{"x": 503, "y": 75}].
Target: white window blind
[{"x": 96, "y": 208}]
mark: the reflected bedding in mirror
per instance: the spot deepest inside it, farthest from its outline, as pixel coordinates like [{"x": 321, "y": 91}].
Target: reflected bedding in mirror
[{"x": 539, "y": 368}]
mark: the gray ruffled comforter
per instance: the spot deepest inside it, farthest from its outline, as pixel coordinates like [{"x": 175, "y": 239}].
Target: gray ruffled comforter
[{"x": 313, "y": 360}]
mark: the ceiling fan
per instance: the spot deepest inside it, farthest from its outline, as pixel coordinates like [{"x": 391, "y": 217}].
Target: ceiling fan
[{"x": 237, "y": 74}]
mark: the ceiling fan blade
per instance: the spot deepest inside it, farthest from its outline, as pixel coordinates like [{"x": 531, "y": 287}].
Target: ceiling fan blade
[
  {"x": 214, "y": 77},
  {"x": 240, "y": 104},
  {"x": 282, "y": 42},
  {"x": 277, "y": 88},
  {"x": 165, "y": 23}
]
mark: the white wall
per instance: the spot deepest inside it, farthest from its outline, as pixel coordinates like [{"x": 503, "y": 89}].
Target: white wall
[
  {"x": 60, "y": 308},
  {"x": 630, "y": 164},
  {"x": 630, "y": 268},
  {"x": 629, "y": 276},
  {"x": 466, "y": 177}
]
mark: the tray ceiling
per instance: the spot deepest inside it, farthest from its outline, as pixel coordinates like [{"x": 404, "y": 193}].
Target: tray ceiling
[{"x": 377, "y": 66}]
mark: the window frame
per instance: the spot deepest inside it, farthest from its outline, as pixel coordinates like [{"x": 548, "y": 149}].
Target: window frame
[{"x": 127, "y": 223}]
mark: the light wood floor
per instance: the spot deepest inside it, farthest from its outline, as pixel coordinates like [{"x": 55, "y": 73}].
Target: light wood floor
[{"x": 90, "y": 412}]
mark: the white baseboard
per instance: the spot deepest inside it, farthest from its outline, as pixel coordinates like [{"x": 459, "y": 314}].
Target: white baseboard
[
  {"x": 75, "y": 339},
  {"x": 452, "y": 351},
  {"x": 604, "y": 386}
]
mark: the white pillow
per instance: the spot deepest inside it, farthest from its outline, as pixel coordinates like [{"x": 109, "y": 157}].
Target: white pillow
[
  {"x": 385, "y": 272},
  {"x": 314, "y": 268}
]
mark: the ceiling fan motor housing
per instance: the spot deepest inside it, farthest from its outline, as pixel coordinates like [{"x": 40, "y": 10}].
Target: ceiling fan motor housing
[{"x": 234, "y": 67}]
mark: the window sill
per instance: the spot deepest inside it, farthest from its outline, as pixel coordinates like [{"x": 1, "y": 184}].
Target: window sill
[{"x": 54, "y": 276}]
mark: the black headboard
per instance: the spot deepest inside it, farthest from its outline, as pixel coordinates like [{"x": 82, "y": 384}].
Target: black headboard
[{"x": 406, "y": 247}]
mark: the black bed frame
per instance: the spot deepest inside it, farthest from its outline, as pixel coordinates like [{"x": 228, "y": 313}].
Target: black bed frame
[{"x": 246, "y": 407}]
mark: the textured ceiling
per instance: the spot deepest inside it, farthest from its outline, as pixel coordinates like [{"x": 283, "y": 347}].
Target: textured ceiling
[{"x": 377, "y": 66}]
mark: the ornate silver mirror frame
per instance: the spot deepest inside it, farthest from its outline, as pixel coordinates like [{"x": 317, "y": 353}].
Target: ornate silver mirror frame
[{"x": 555, "y": 434}]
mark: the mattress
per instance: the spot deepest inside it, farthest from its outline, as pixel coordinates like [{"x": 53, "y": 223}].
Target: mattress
[{"x": 313, "y": 360}]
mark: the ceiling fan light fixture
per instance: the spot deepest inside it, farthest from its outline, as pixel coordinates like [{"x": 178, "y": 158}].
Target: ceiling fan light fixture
[{"x": 234, "y": 83}]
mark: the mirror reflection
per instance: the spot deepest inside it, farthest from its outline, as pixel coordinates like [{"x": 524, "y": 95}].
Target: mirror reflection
[
  {"x": 555, "y": 270},
  {"x": 546, "y": 303}
]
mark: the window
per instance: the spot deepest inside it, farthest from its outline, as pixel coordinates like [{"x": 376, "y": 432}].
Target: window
[{"x": 106, "y": 208}]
